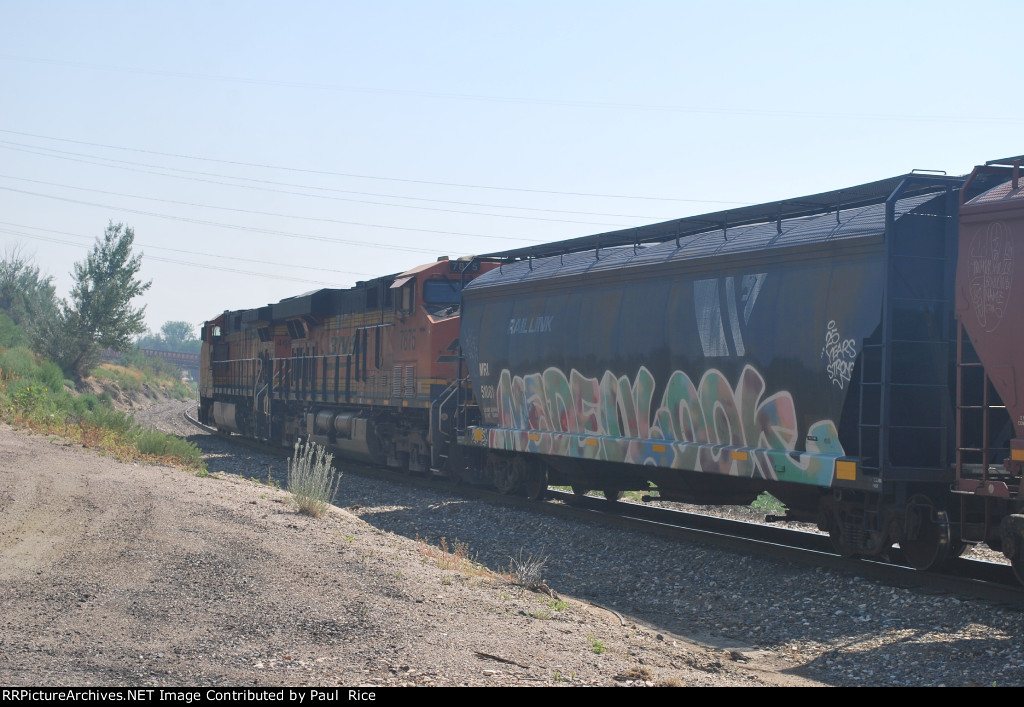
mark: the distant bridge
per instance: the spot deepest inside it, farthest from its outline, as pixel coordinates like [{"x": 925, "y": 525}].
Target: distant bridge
[{"x": 185, "y": 360}]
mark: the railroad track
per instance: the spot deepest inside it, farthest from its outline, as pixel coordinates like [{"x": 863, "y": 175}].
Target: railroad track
[{"x": 968, "y": 577}]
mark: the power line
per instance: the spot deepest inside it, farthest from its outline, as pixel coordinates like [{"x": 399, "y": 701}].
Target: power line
[
  {"x": 148, "y": 246},
  {"x": 205, "y": 266},
  {"x": 286, "y": 234},
  {"x": 365, "y": 176},
  {"x": 63, "y": 154},
  {"x": 569, "y": 103},
  {"x": 335, "y": 198}
]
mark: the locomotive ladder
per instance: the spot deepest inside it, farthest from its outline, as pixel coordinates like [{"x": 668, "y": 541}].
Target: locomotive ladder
[
  {"x": 975, "y": 475},
  {"x": 443, "y": 411}
]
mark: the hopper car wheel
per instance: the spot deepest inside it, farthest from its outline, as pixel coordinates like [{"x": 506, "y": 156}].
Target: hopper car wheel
[
  {"x": 1018, "y": 568},
  {"x": 927, "y": 540},
  {"x": 507, "y": 474},
  {"x": 535, "y": 482},
  {"x": 579, "y": 492},
  {"x": 840, "y": 546},
  {"x": 956, "y": 549},
  {"x": 613, "y": 496}
]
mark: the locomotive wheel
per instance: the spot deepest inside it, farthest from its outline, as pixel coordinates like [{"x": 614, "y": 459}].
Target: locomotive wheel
[
  {"x": 927, "y": 536},
  {"x": 613, "y": 496},
  {"x": 403, "y": 464}
]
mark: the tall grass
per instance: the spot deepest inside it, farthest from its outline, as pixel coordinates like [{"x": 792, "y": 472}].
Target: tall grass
[
  {"x": 312, "y": 480},
  {"x": 33, "y": 395}
]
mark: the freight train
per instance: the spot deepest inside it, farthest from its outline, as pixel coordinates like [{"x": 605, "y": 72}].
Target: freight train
[{"x": 857, "y": 353}]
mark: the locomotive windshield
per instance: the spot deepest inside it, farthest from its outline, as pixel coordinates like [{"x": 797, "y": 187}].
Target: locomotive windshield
[{"x": 442, "y": 291}]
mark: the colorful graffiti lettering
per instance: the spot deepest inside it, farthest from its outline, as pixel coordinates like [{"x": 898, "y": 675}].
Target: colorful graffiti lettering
[
  {"x": 840, "y": 354},
  {"x": 614, "y": 419}
]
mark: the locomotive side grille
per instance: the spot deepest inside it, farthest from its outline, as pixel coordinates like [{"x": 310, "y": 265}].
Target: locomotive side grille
[
  {"x": 396, "y": 382},
  {"x": 410, "y": 381}
]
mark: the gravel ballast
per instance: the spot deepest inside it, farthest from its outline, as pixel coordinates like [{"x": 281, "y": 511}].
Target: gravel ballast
[{"x": 136, "y": 574}]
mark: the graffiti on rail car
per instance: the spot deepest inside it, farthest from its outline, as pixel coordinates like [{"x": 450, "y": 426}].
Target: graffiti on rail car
[
  {"x": 991, "y": 274},
  {"x": 840, "y": 353},
  {"x": 712, "y": 426}
]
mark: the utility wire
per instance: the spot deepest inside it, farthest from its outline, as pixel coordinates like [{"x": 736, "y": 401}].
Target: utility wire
[
  {"x": 70, "y": 156},
  {"x": 148, "y": 246},
  {"x": 527, "y": 101},
  {"x": 367, "y": 176},
  {"x": 273, "y": 276},
  {"x": 252, "y": 229},
  {"x": 319, "y": 196}
]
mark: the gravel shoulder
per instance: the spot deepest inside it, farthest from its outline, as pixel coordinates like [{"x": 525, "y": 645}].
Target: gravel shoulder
[
  {"x": 129, "y": 574},
  {"x": 132, "y": 574}
]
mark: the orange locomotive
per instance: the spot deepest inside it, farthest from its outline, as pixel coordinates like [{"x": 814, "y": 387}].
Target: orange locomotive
[{"x": 368, "y": 370}]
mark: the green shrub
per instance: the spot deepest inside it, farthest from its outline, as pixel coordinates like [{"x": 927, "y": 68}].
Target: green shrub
[
  {"x": 84, "y": 403},
  {"x": 110, "y": 419},
  {"x": 18, "y": 363},
  {"x": 51, "y": 376},
  {"x": 11, "y": 334},
  {"x": 768, "y": 504},
  {"x": 165, "y": 445},
  {"x": 312, "y": 480},
  {"x": 27, "y": 398}
]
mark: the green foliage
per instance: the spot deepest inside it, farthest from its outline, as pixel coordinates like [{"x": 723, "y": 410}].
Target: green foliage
[
  {"x": 312, "y": 480},
  {"x": 173, "y": 336},
  {"x": 108, "y": 418},
  {"x": 154, "y": 366},
  {"x": 11, "y": 335},
  {"x": 85, "y": 403},
  {"x": 51, "y": 375},
  {"x": 99, "y": 314},
  {"x": 154, "y": 372},
  {"x": 127, "y": 379},
  {"x": 164, "y": 445},
  {"x": 28, "y": 399},
  {"x": 18, "y": 363},
  {"x": 91, "y": 420},
  {"x": 768, "y": 504},
  {"x": 25, "y": 295}
]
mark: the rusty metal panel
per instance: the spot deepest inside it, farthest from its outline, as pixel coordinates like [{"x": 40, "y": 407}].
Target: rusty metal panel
[{"x": 990, "y": 289}]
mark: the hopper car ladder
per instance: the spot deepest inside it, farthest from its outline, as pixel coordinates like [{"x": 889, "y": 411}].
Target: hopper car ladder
[
  {"x": 976, "y": 476},
  {"x": 888, "y": 373}
]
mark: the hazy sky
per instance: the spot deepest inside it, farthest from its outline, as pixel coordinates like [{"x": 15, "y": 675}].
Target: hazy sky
[{"x": 261, "y": 149}]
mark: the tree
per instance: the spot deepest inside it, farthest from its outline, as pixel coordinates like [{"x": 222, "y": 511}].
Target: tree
[
  {"x": 99, "y": 314},
  {"x": 25, "y": 294},
  {"x": 176, "y": 336}
]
